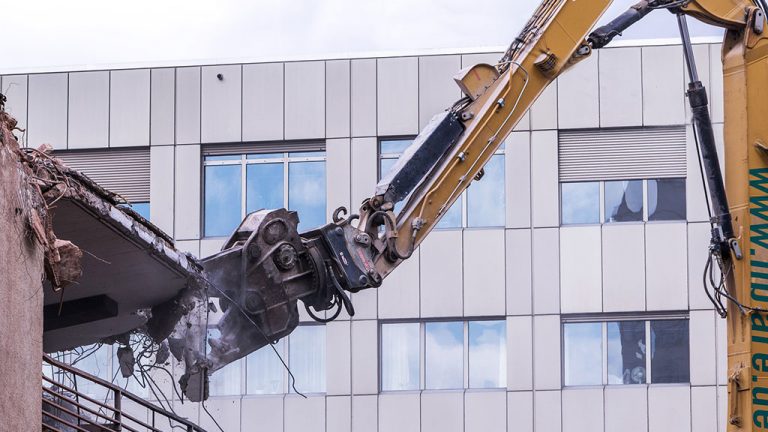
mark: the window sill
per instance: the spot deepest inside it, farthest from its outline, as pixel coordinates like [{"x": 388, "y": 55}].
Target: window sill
[{"x": 617, "y": 386}]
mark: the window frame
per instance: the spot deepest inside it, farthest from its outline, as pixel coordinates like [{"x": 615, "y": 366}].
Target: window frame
[
  {"x": 463, "y": 196},
  {"x": 422, "y": 352},
  {"x": 603, "y": 321},
  {"x": 601, "y": 199},
  {"x": 243, "y": 161}
]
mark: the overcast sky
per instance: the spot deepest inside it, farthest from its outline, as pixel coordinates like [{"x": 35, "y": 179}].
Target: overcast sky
[{"x": 86, "y": 34}]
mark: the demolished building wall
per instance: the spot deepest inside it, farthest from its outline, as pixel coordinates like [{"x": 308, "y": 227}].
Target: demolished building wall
[{"x": 21, "y": 294}]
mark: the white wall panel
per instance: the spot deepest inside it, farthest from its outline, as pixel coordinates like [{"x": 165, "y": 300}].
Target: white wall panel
[
  {"x": 221, "y": 103},
  {"x": 721, "y": 346},
  {"x": 546, "y": 352},
  {"x": 519, "y": 272},
  {"x": 338, "y": 175},
  {"x": 190, "y": 246},
  {"x": 547, "y": 411},
  {"x": 437, "y": 90},
  {"x": 442, "y": 412},
  {"x": 703, "y": 355},
  {"x": 545, "y": 186},
  {"x": 485, "y": 411},
  {"x": 226, "y": 411},
  {"x": 580, "y": 269},
  {"x": 715, "y": 89},
  {"x": 441, "y": 274},
  {"x": 704, "y": 409},
  {"x": 397, "y": 92},
  {"x": 621, "y": 87},
  {"x": 663, "y": 88},
  {"x": 517, "y": 159},
  {"x": 666, "y": 266},
  {"x": 665, "y": 406},
  {"x": 210, "y": 246},
  {"x": 626, "y": 408},
  {"x": 399, "y": 294},
  {"x": 129, "y": 108},
  {"x": 162, "y": 106},
  {"x": 188, "y": 410},
  {"x": 543, "y": 113},
  {"x": 519, "y": 353},
  {"x": 365, "y": 162},
  {"x": 487, "y": 58},
  {"x": 484, "y": 273},
  {"x": 698, "y": 251},
  {"x": 583, "y": 410},
  {"x": 399, "y": 412},
  {"x": 520, "y": 411},
  {"x": 305, "y": 100},
  {"x": 578, "y": 97},
  {"x": 304, "y": 415},
  {"x": 263, "y": 102},
  {"x": 15, "y": 87},
  {"x": 365, "y": 413},
  {"x": 337, "y": 98},
  {"x": 188, "y": 105},
  {"x": 363, "y": 97},
  {"x": 161, "y": 187},
  {"x": 365, "y": 357},
  {"x": 364, "y": 177},
  {"x": 722, "y": 408},
  {"x": 337, "y": 353},
  {"x": 623, "y": 267},
  {"x": 546, "y": 271},
  {"x": 88, "y": 110},
  {"x": 338, "y": 414},
  {"x": 47, "y": 110},
  {"x": 187, "y": 198}
]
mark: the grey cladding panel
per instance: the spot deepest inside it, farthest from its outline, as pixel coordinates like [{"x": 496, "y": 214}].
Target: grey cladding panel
[
  {"x": 188, "y": 105},
  {"x": 162, "y": 106},
  {"x": 622, "y": 154},
  {"x": 221, "y": 103},
  {"x": 48, "y": 110},
  {"x": 129, "y": 108}
]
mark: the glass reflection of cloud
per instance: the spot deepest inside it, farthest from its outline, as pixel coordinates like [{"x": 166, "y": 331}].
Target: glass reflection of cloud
[
  {"x": 487, "y": 354},
  {"x": 444, "y": 355}
]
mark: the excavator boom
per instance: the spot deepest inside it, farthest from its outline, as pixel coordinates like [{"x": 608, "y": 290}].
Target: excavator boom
[{"x": 266, "y": 267}]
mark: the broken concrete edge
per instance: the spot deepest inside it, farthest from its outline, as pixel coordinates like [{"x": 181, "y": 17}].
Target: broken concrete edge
[{"x": 181, "y": 320}]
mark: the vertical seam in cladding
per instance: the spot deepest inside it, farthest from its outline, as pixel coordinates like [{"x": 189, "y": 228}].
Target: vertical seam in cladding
[
  {"x": 109, "y": 109},
  {"x": 66, "y": 126},
  {"x": 242, "y": 91}
]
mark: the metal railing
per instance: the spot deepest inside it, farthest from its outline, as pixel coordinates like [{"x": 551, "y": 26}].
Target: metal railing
[{"x": 65, "y": 409}]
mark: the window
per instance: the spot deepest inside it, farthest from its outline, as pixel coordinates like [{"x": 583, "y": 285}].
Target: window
[
  {"x": 616, "y": 352},
  {"x": 481, "y": 205},
  {"x": 622, "y": 201},
  {"x": 236, "y": 185},
  {"x": 142, "y": 208},
  {"x": 262, "y": 372},
  {"x": 443, "y": 355},
  {"x": 100, "y": 360},
  {"x": 400, "y": 356}
]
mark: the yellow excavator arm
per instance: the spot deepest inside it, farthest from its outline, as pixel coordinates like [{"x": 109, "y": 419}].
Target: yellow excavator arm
[{"x": 266, "y": 266}]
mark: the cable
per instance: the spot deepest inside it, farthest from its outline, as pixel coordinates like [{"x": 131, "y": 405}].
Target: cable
[
  {"x": 233, "y": 303},
  {"x": 209, "y": 415}
]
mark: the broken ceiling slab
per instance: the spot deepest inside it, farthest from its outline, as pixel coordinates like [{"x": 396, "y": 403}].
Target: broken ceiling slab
[{"x": 132, "y": 275}]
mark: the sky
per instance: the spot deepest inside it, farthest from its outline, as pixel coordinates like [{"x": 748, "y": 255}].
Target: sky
[{"x": 43, "y": 35}]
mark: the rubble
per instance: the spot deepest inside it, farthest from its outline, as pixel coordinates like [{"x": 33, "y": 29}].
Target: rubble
[{"x": 167, "y": 300}]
